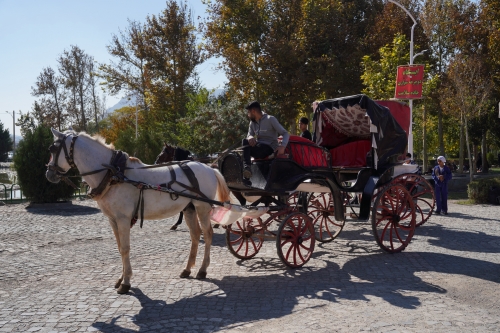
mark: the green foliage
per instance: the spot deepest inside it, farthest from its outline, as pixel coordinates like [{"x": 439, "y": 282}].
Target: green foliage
[
  {"x": 379, "y": 77},
  {"x": 29, "y": 161},
  {"x": 478, "y": 189},
  {"x": 212, "y": 124},
  {"x": 492, "y": 160},
  {"x": 5, "y": 143},
  {"x": 288, "y": 53}
]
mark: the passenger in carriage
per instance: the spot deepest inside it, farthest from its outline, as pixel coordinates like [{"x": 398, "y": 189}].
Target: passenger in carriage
[
  {"x": 303, "y": 123},
  {"x": 262, "y": 138},
  {"x": 409, "y": 160}
]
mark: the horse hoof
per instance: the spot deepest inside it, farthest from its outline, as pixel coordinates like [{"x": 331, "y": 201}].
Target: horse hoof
[
  {"x": 216, "y": 226},
  {"x": 185, "y": 274},
  {"x": 123, "y": 289},
  {"x": 201, "y": 275},
  {"x": 118, "y": 283},
  {"x": 174, "y": 227}
]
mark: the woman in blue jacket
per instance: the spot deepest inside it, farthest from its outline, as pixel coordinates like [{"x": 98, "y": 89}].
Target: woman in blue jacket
[{"x": 441, "y": 175}]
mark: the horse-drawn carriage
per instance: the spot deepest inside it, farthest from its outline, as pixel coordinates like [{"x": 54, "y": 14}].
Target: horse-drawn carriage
[
  {"x": 354, "y": 158},
  {"x": 353, "y": 162}
]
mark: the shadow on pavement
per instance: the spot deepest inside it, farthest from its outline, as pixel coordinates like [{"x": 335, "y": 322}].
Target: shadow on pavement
[
  {"x": 470, "y": 217},
  {"x": 62, "y": 210},
  {"x": 459, "y": 240},
  {"x": 238, "y": 300}
]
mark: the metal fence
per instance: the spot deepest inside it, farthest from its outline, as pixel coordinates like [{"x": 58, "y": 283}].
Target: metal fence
[{"x": 12, "y": 194}]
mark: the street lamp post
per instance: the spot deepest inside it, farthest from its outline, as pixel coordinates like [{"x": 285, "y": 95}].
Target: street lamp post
[
  {"x": 412, "y": 57},
  {"x": 13, "y": 130}
]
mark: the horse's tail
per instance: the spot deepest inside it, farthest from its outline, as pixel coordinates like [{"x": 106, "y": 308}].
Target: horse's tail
[{"x": 223, "y": 192}]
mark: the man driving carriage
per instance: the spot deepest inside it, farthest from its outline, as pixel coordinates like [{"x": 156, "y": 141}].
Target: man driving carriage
[{"x": 262, "y": 138}]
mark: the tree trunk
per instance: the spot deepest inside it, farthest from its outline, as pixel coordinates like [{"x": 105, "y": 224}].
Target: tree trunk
[
  {"x": 293, "y": 126},
  {"x": 471, "y": 165},
  {"x": 461, "y": 153},
  {"x": 424, "y": 143},
  {"x": 484, "y": 153},
  {"x": 82, "y": 109},
  {"x": 440, "y": 132}
]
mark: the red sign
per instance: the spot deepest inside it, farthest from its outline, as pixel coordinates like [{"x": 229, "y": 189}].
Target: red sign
[{"x": 409, "y": 82}]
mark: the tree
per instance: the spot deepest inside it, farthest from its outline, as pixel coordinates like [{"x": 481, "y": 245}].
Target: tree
[
  {"x": 379, "y": 76},
  {"x": 27, "y": 121},
  {"x": 50, "y": 87},
  {"x": 235, "y": 31},
  {"x": 289, "y": 53},
  {"x": 30, "y": 159},
  {"x": 334, "y": 34},
  {"x": 213, "y": 124},
  {"x": 156, "y": 65},
  {"x": 97, "y": 105},
  {"x": 129, "y": 73},
  {"x": 5, "y": 142},
  {"x": 390, "y": 20},
  {"x": 120, "y": 121},
  {"x": 172, "y": 55},
  {"x": 469, "y": 91},
  {"x": 74, "y": 68}
]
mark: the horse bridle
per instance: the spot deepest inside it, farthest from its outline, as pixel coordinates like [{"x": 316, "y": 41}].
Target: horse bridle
[
  {"x": 54, "y": 149},
  {"x": 60, "y": 172}
]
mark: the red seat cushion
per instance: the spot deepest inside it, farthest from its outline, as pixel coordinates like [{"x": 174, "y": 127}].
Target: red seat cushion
[
  {"x": 306, "y": 153},
  {"x": 352, "y": 154}
]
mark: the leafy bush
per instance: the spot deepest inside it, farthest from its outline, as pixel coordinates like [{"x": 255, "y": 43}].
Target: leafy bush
[
  {"x": 491, "y": 159},
  {"x": 212, "y": 124},
  {"x": 5, "y": 143},
  {"x": 29, "y": 161},
  {"x": 478, "y": 190}
]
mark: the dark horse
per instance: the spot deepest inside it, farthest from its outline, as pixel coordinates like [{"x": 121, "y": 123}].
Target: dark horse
[{"x": 169, "y": 154}]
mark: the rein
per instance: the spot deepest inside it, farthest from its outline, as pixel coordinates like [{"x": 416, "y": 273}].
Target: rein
[{"x": 115, "y": 174}]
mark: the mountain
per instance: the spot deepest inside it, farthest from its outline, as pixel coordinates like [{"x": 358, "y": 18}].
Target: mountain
[
  {"x": 125, "y": 101},
  {"x": 130, "y": 101},
  {"x": 18, "y": 138}
]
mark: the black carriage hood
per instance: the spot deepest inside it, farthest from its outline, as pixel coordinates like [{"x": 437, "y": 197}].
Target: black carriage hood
[{"x": 390, "y": 139}]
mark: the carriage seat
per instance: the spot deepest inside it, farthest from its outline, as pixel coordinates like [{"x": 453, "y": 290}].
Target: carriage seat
[{"x": 352, "y": 154}]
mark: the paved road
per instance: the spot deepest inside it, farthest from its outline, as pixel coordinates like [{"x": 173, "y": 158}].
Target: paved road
[{"x": 58, "y": 267}]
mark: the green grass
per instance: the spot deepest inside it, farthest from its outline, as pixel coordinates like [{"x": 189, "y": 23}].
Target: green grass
[
  {"x": 467, "y": 202},
  {"x": 495, "y": 170},
  {"x": 462, "y": 195},
  {"x": 460, "y": 198}
]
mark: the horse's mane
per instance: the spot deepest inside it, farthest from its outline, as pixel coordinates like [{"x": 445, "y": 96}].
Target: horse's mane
[
  {"x": 134, "y": 159},
  {"x": 101, "y": 140},
  {"x": 98, "y": 138}
]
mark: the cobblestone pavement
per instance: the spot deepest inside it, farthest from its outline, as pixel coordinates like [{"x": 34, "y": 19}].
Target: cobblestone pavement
[{"x": 58, "y": 266}]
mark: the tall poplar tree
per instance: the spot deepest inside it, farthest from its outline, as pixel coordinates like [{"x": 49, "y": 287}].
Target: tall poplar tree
[{"x": 5, "y": 142}]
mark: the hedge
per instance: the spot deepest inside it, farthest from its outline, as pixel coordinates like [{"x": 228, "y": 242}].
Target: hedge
[
  {"x": 30, "y": 161},
  {"x": 479, "y": 190}
]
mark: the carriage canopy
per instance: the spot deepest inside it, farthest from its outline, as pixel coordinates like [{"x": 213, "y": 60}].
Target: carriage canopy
[{"x": 350, "y": 127}]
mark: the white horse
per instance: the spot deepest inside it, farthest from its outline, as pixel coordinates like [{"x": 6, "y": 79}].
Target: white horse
[{"x": 118, "y": 202}]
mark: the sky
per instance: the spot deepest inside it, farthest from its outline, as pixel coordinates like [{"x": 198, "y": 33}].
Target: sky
[{"x": 33, "y": 33}]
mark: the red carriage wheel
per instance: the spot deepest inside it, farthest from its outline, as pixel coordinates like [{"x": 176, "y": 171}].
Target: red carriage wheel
[
  {"x": 393, "y": 218},
  {"x": 422, "y": 193},
  {"x": 298, "y": 201},
  {"x": 322, "y": 214},
  {"x": 244, "y": 238},
  {"x": 295, "y": 241},
  {"x": 293, "y": 199}
]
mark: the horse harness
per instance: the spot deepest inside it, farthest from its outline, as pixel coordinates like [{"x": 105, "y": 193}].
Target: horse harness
[
  {"x": 115, "y": 167},
  {"x": 115, "y": 174}
]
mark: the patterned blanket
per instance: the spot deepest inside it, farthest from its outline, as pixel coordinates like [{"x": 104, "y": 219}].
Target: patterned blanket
[{"x": 351, "y": 121}]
